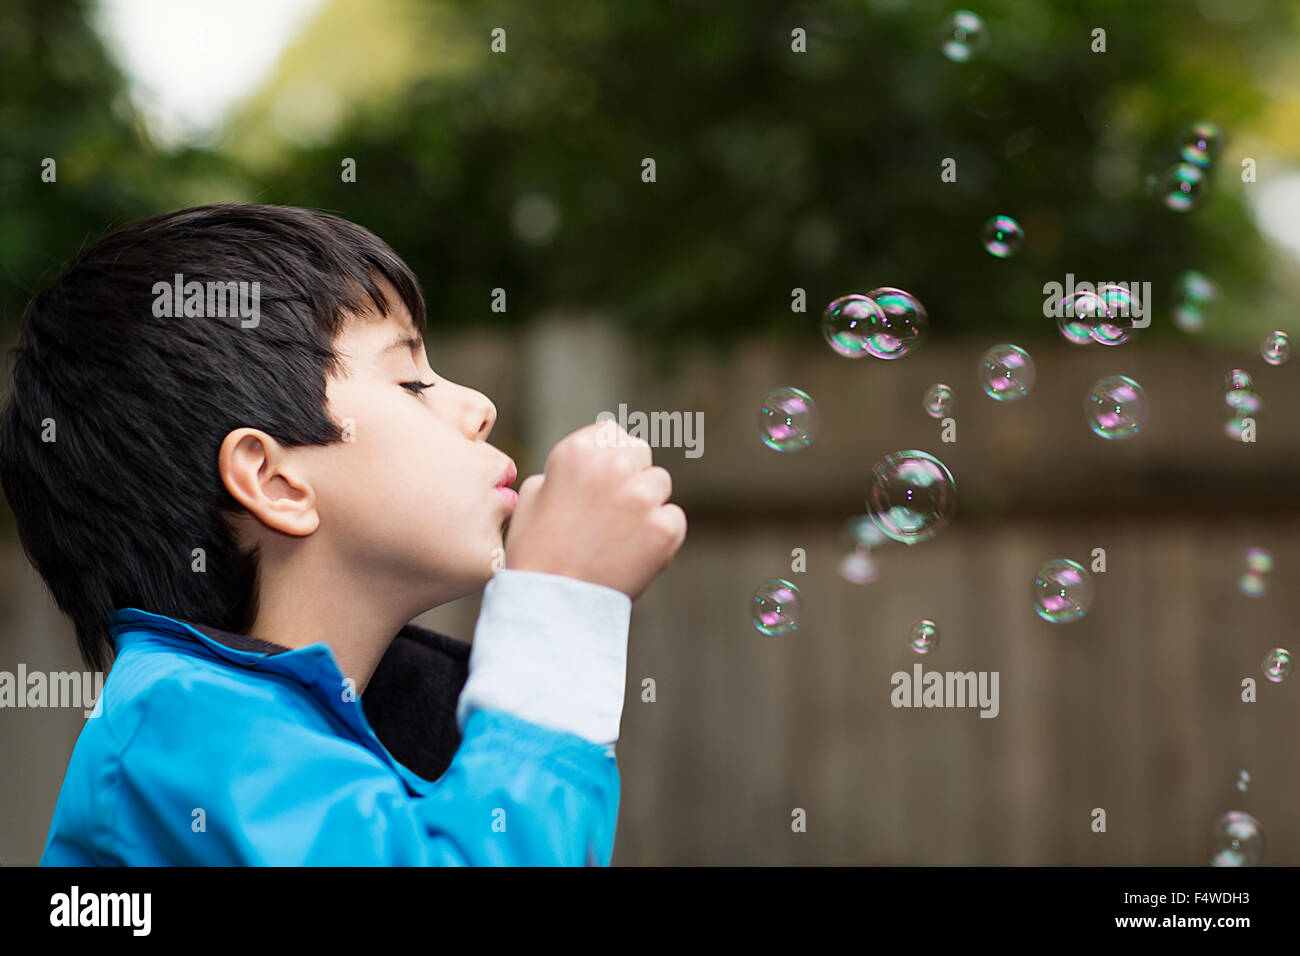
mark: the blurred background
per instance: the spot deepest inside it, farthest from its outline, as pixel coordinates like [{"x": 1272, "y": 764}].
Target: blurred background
[{"x": 778, "y": 170}]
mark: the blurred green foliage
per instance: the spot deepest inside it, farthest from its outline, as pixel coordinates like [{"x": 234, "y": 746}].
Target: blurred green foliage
[
  {"x": 775, "y": 169},
  {"x": 63, "y": 98}
]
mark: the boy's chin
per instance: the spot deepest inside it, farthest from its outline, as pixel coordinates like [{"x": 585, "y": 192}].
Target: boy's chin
[
  {"x": 465, "y": 584},
  {"x": 466, "y": 576},
  {"x": 481, "y": 571}
]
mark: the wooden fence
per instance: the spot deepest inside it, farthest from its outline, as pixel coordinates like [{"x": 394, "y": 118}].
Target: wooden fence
[{"x": 1136, "y": 709}]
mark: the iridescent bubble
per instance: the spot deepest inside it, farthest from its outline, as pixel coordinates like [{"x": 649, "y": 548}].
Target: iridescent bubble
[
  {"x": 1239, "y": 393},
  {"x": 924, "y": 637},
  {"x": 1277, "y": 664},
  {"x": 1115, "y": 407},
  {"x": 1199, "y": 143},
  {"x": 1002, "y": 237},
  {"x": 859, "y": 536},
  {"x": 938, "y": 400},
  {"x": 1238, "y": 378},
  {"x": 1062, "y": 591},
  {"x": 848, "y": 322},
  {"x": 861, "y": 532},
  {"x": 900, "y": 327},
  {"x": 1238, "y": 840},
  {"x": 1080, "y": 311},
  {"x": 912, "y": 496},
  {"x": 963, "y": 36},
  {"x": 1184, "y": 186},
  {"x": 858, "y": 567},
  {"x": 775, "y": 607},
  {"x": 1007, "y": 373},
  {"x": 1235, "y": 428},
  {"x": 1189, "y": 317},
  {"x": 1243, "y": 781},
  {"x": 788, "y": 419},
  {"x": 1252, "y": 584},
  {"x": 1259, "y": 560},
  {"x": 1197, "y": 288},
  {"x": 1116, "y": 321},
  {"x": 1243, "y": 402},
  {"x": 1276, "y": 348}
]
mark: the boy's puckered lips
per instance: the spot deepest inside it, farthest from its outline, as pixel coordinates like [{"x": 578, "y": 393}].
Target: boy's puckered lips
[{"x": 503, "y": 485}]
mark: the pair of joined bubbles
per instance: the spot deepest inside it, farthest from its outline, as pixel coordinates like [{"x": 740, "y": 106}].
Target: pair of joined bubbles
[{"x": 890, "y": 323}]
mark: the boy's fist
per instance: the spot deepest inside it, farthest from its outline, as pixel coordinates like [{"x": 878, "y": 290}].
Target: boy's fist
[{"x": 598, "y": 514}]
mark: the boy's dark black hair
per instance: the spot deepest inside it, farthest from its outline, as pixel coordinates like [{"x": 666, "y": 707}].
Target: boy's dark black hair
[{"x": 111, "y": 510}]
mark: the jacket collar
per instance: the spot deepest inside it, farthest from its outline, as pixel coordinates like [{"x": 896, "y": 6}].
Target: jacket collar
[
  {"x": 128, "y": 625},
  {"x": 313, "y": 665}
]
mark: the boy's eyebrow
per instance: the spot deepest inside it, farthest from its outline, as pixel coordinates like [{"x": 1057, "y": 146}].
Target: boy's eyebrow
[{"x": 410, "y": 343}]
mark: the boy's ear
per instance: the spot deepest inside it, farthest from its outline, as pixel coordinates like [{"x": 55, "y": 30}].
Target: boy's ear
[{"x": 259, "y": 473}]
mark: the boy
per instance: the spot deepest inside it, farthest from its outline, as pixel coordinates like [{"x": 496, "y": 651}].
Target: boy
[{"x": 247, "y": 508}]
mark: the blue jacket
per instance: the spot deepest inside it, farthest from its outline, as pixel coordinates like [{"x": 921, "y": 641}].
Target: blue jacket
[{"x": 203, "y": 754}]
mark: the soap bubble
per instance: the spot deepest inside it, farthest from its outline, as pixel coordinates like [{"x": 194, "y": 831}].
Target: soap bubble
[
  {"x": 1243, "y": 402},
  {"x": 1243, "y": 781},
  {"x": 900, "y": 327},
  {"x": 1259, "y": 560},
  {"x": 1196, "y": 288},
  {"x": 1007, "y": 373},
  {"x": 775, "y": 607},
  {"x": 848, "y": 322},
  {"x": 1276, "y": 348},
  {"x": 1184, "y": 187},
  {"x": 1258, "y": 563},
  {"x": 859, "y": 536},
  {"x": 1079, "y": 313},
  {"x": 1235, "y": 428},
  {"x": 1252, "y": 584},
  {"x": 1107, "y": 315},
  {"x": 912, "y": 496},
  {"x": 1238, "y": 378},
  {"x": 1277, "y": 664},
  {"x": 924, "y": 637},
  {"x": 1239, "y": 393},
  {"x": 1062, "y": 591},
  {"x": 861, "y": 532},
  {"x": 1002, "y": 237},
  {"x": 787, "y": 421},
  {"x": 1115, "y": 322},
  {"x": 1238, "y": 840},
  {"x": 963, "y": 36},
  {"x": 1115, "y": 407},
  {"x": 1189, "y": 317},
  {"x": 1199, "y": 143},
  {"x": 938, "y": 400},
  {"x": 858, "y": 567}
]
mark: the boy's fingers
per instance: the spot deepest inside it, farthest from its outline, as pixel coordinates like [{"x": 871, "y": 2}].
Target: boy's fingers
[
  {"x": 641, "y": 453},
  {"x": 655, "y": 483},
  {"x": 528, "y": 490},
  {"x": 671, "y": 520},
  {"x": 632, "y": 454},
  {"x": 610, "y": 434}
]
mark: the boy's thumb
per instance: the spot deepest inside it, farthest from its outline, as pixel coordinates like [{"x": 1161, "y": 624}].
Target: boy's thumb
[{"x": 528, "y": 491}]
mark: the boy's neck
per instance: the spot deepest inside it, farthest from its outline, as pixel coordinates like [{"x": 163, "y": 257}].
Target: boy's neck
[{"x": 357, "y": 622}]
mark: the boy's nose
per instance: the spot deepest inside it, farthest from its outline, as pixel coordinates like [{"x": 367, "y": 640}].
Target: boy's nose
[{"x": 478, "y": 416}]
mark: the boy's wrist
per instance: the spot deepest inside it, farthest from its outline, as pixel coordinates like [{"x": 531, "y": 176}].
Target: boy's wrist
[{"x": 551, "y": 650}]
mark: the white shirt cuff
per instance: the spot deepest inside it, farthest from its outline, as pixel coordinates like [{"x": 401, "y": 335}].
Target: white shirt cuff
[{"x": 551, "y": 650}]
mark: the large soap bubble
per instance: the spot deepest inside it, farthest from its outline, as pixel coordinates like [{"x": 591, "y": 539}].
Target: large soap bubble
[{"x": 912, "y": 496}]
